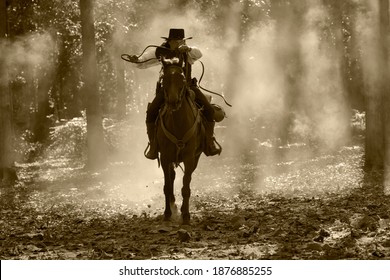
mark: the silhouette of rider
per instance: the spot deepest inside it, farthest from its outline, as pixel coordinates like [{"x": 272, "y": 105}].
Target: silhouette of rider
[{"x": 175, "y": 46}]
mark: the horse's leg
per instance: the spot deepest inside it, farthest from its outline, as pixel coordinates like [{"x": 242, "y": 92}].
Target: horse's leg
[
  {"x": 169, "y": 177},
  {"x": 189, "y": 168},
  {"x": 172, "y": 199}
]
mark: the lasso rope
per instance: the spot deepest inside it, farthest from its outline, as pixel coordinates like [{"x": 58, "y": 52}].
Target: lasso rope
[
  {"x": 127, "y": 58},
  {"x": 209, "y": 91}
]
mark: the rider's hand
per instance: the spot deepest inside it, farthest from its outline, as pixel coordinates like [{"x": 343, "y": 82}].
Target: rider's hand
[
  {"x": 184, "y": 48},
  {"x": 133, "y": 58}
]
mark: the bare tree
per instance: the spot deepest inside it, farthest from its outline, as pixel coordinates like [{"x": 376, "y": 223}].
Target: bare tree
[
  {"x": 7, "y": 172},
  {"x": 289, "y": 22},
  {"x": 376, "y": 100},
  {"x": 384, "y": 48},
  {"x": 97, "y": 154}
]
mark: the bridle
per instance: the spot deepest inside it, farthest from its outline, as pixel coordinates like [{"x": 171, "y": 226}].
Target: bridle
[
  {"x": 177, "y": 70},
  {"x": 180, "y": 143}
]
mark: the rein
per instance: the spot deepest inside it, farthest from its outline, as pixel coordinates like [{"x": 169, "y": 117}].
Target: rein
[{"x": 180, "y": 143}]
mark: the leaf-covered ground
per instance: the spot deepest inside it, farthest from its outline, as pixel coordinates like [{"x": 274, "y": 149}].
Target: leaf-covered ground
[{"x": 271, "y": 203}]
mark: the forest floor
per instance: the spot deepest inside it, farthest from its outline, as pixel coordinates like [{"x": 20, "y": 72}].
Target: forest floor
[{"x": 270, "y": 203}]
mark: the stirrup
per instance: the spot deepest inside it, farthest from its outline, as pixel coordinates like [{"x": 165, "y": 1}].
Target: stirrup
[
  {"x": 217, "y": 150},
  {"x": 147, "y": 153},
  {"x": 219, "y": 146}
]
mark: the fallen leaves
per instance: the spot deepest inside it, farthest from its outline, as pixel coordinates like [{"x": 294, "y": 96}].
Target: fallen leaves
[
  {"x": 183, "y": 235},
  {"x": 321, "y": 207}
]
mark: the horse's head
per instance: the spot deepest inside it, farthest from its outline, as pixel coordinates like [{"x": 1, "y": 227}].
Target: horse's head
[{"x": 174, "y": 83}]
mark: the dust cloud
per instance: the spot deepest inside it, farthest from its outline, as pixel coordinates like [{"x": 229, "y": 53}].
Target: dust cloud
[
  {"x": 247, "y": 71},
  {"x": 146, "y": 178},
  {"x": 29, "y": 52},
  {"x": 324, "y": 97}
]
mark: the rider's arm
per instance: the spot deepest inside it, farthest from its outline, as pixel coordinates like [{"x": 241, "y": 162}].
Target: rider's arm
[
  {"x": 150, "y": 60},
  {"x": 194, "y": 54}
]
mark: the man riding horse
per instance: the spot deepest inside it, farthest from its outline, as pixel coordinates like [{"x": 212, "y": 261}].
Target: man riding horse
[{"x": 175, "y": 47}]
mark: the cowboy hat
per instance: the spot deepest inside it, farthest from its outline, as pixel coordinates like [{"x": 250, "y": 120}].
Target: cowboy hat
[{"x": 176, "y": 34}]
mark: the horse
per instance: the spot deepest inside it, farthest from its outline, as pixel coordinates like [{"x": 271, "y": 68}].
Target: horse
[{"x": 179, "y": 137}]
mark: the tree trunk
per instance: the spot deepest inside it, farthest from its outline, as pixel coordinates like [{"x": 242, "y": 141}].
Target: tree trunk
[
  {"x": 75, "y": 104},
  {"x": 121, "y": 89},
  {"x": 384, "y": 36},
  {"x": 41, "y": 122},
  {"x": 347, "y": 45},
  {"x": 234, "y": 34},
  {"x": 7, "y": 172},
  {"x": 354, "y": 77},
  {"x": 377, "y": 92},
  {"x": 289, "y": 20},
  {"x": 97, "y": 154},
  {"x": 234, "y": 25}
]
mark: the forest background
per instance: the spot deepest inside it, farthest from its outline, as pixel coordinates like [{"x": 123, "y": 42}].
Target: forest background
[{"x": 308, "y": 81}]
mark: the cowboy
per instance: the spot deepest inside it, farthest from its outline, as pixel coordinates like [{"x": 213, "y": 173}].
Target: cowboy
[{"x": 175, "y": 46}]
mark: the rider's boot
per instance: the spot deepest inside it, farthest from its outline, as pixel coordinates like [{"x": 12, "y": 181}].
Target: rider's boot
[
  {"x": 211, "y": 148},
  {"x": 151, "y": 131}
]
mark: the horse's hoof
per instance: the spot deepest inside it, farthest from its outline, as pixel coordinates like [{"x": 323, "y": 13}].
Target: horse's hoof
[
  {"x": 186, "y": 222},
  {"x": 185, "y": 218}
]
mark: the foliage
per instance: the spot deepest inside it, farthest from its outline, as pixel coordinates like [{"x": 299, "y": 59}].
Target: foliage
[
  {"x": 27, "y": 149},
  {"x": 116, "y": 22},
  {"x": 358, "y": 122},
  {"x": 69, "y": 139}
]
